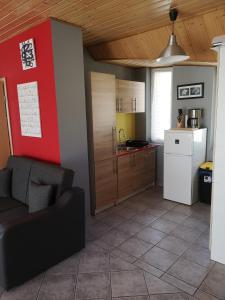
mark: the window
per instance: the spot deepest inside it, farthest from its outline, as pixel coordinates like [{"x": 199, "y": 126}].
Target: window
[{"x": 161, "y": 97}]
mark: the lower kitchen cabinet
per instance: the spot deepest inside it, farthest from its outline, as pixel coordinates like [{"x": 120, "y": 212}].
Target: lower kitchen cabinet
[
  {"x": 125, "y": 175},
  {"x": 105, "y": 183},
  {"x": 135, "y": 172}
]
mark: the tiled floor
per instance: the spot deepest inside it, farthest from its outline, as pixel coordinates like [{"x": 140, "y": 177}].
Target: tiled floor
[{"x": 144, "y": 249}]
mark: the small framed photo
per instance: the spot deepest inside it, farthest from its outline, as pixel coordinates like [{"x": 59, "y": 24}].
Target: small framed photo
[{"x": 190, "y": 91}]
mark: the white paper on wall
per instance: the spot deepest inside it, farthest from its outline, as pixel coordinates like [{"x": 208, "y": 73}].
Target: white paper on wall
[{"x": 29, "y": 109}]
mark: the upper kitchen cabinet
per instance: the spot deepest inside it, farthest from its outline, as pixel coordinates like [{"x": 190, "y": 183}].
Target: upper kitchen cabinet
[
  {"x": 130, "y": 96},
  {"x": 103, "y": 93}
]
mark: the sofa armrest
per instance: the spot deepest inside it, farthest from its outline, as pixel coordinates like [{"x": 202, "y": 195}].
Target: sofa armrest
[{"x": 32, "y": 244}]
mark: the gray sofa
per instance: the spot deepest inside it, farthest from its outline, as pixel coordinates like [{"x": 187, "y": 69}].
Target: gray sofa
[{"x": 30, "y": 243}]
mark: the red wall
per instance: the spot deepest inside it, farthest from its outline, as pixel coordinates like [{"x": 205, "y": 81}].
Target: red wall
[{"x": 47, "y": 147}]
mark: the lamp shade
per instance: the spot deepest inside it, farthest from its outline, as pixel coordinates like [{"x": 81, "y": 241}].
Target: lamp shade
[{"x": 173, "y": 53}]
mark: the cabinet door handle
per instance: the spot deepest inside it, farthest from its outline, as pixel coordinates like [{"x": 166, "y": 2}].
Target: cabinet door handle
[
  {"x": 114, "y": 166},
  {"x": 135, "y": 104},
  {"x": 114, "y": 144},
  {"x": 120, "y": 104}
]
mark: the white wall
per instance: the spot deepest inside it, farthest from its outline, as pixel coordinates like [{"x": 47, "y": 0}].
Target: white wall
[{"x": 218, "y": 193}]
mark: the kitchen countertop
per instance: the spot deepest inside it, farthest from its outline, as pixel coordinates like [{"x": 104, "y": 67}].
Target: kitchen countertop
[{"x": 134, "y": 150}]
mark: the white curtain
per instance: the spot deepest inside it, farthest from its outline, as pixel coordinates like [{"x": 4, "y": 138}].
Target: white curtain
[{"x": 161, "y": 97}]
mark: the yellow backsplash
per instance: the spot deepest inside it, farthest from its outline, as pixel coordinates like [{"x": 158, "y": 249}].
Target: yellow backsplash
[{"x": 126, "y": 122}]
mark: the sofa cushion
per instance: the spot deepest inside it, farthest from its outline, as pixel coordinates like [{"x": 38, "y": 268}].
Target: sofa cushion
[
  {"x": 5, "y": 183},
  {"x": 8, "y": 203},
  {"x": 46, "y": 173},
  {"x": 13, "y": 213},
  {"x": 40, "y": 196},
  {"x": 21, "y": 167}
]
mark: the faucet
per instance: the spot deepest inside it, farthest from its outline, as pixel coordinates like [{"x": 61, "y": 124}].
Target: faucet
[{"x": 122, "y": 135}]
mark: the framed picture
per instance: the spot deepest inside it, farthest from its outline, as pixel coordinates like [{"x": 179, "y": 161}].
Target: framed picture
[
  {"x": 190, "y": 91},
  {"x": 27, "y": 53}
]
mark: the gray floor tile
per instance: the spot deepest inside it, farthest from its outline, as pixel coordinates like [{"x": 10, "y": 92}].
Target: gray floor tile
[
  {"x": 27, "y": 291},
  {"x": 186, "y": 233},
  {"x": 177, "y": 296},
  {"x": 164, "y": 225},
  {"x": 130, "y": 227},
  {"x": 214, "y": 284},
  {"x": 203, "y": 296},
  {"x": 113, "y": 220},
  {"x": 132, "y": 298},
  {"x": 125, "y": 256},
  {"x": 196, "y": 223},
  {"x": 92, "y": 261},
  {"x": 135, "y": 247},
  {"x": 167, "y": 204},
  {"x": 203, "y": 240},
  {"x": 131, "y": 283},
  {"x": 183, "y": 209},
  {"x": 67, "y": 266},
  {"x": 144, "y": 218},
  {"x": 118, "y": 264},
  {"x": 93, "y": 285},
  {"x": 155, "y": 211},
  {"x": 97, "y": 229},
  {"x": 198, "y": 255},
  {"x": 148, "y": 268},
  {"x": 187, "y": 288},
  {"x": 189, "y": 272},
  {"x": 151, "y": 235},
  {"x": 173, "y": 244},
  {"x": 158, "y": 286},
  {"x": 114, "y": 237},
  {"x": 219, "y": 268},
  {"x": 159, "y": 258},
  {"x": 136, "y": 205},
  {"x": 58, "y": 287},
  {"x": 175, "y": 217},
  {"x": 126, "y": 212}
]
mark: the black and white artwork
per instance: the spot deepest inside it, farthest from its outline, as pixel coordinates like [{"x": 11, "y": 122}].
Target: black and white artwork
[
  {"x": 190, "y": 91},
  {"x": 27, "y": 52}
]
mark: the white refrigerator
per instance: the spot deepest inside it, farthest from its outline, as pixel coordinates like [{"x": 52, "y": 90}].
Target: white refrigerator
[{"x": 184, "y": 152}]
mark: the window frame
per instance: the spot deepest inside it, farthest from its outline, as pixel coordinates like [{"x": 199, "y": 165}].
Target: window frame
[{"x": 153, "y": 70}]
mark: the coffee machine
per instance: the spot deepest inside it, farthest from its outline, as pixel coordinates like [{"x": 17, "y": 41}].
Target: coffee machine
[{"x": 194, "y": 118}]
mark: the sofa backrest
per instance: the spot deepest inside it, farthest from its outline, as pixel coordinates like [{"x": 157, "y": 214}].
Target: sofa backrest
[
  {"x": 46, "y": 173},
  {"x": 21, "y": 167},
  {"x": 25, "y": 170}
]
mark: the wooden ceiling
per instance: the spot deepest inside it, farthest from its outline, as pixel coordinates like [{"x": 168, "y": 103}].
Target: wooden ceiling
[{"x": 124, "y": 29}]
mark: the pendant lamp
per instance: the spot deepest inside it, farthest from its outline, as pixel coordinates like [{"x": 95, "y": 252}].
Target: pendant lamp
[{"x": 173, "y": 53}]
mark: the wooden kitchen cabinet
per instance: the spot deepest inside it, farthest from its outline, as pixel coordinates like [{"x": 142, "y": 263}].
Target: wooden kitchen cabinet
[
  {"x": 102, "y": 126},
  {"x": 136, "y": 171},
  {"x": 125, "y": 175},
  {"x": 130, "y": 96},
  {"x": 103, "y": 94},
  {"x": 105, "y": 183}
]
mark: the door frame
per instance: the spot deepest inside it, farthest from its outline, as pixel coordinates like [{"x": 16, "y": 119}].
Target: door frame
[{"x": 3, "y": 80}]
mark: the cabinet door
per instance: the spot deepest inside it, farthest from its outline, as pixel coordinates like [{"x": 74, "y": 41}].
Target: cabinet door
[
  {"x": 139, "y": 96},
  {"x": 125, "y": 175},
  {"x": 103, "y": 92},
  {"x": 124, "y": 96},
  {"x": 105, "y": 183},
  {"x": 150, "y": 165},
  {"x": 139, "y": 180}
]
